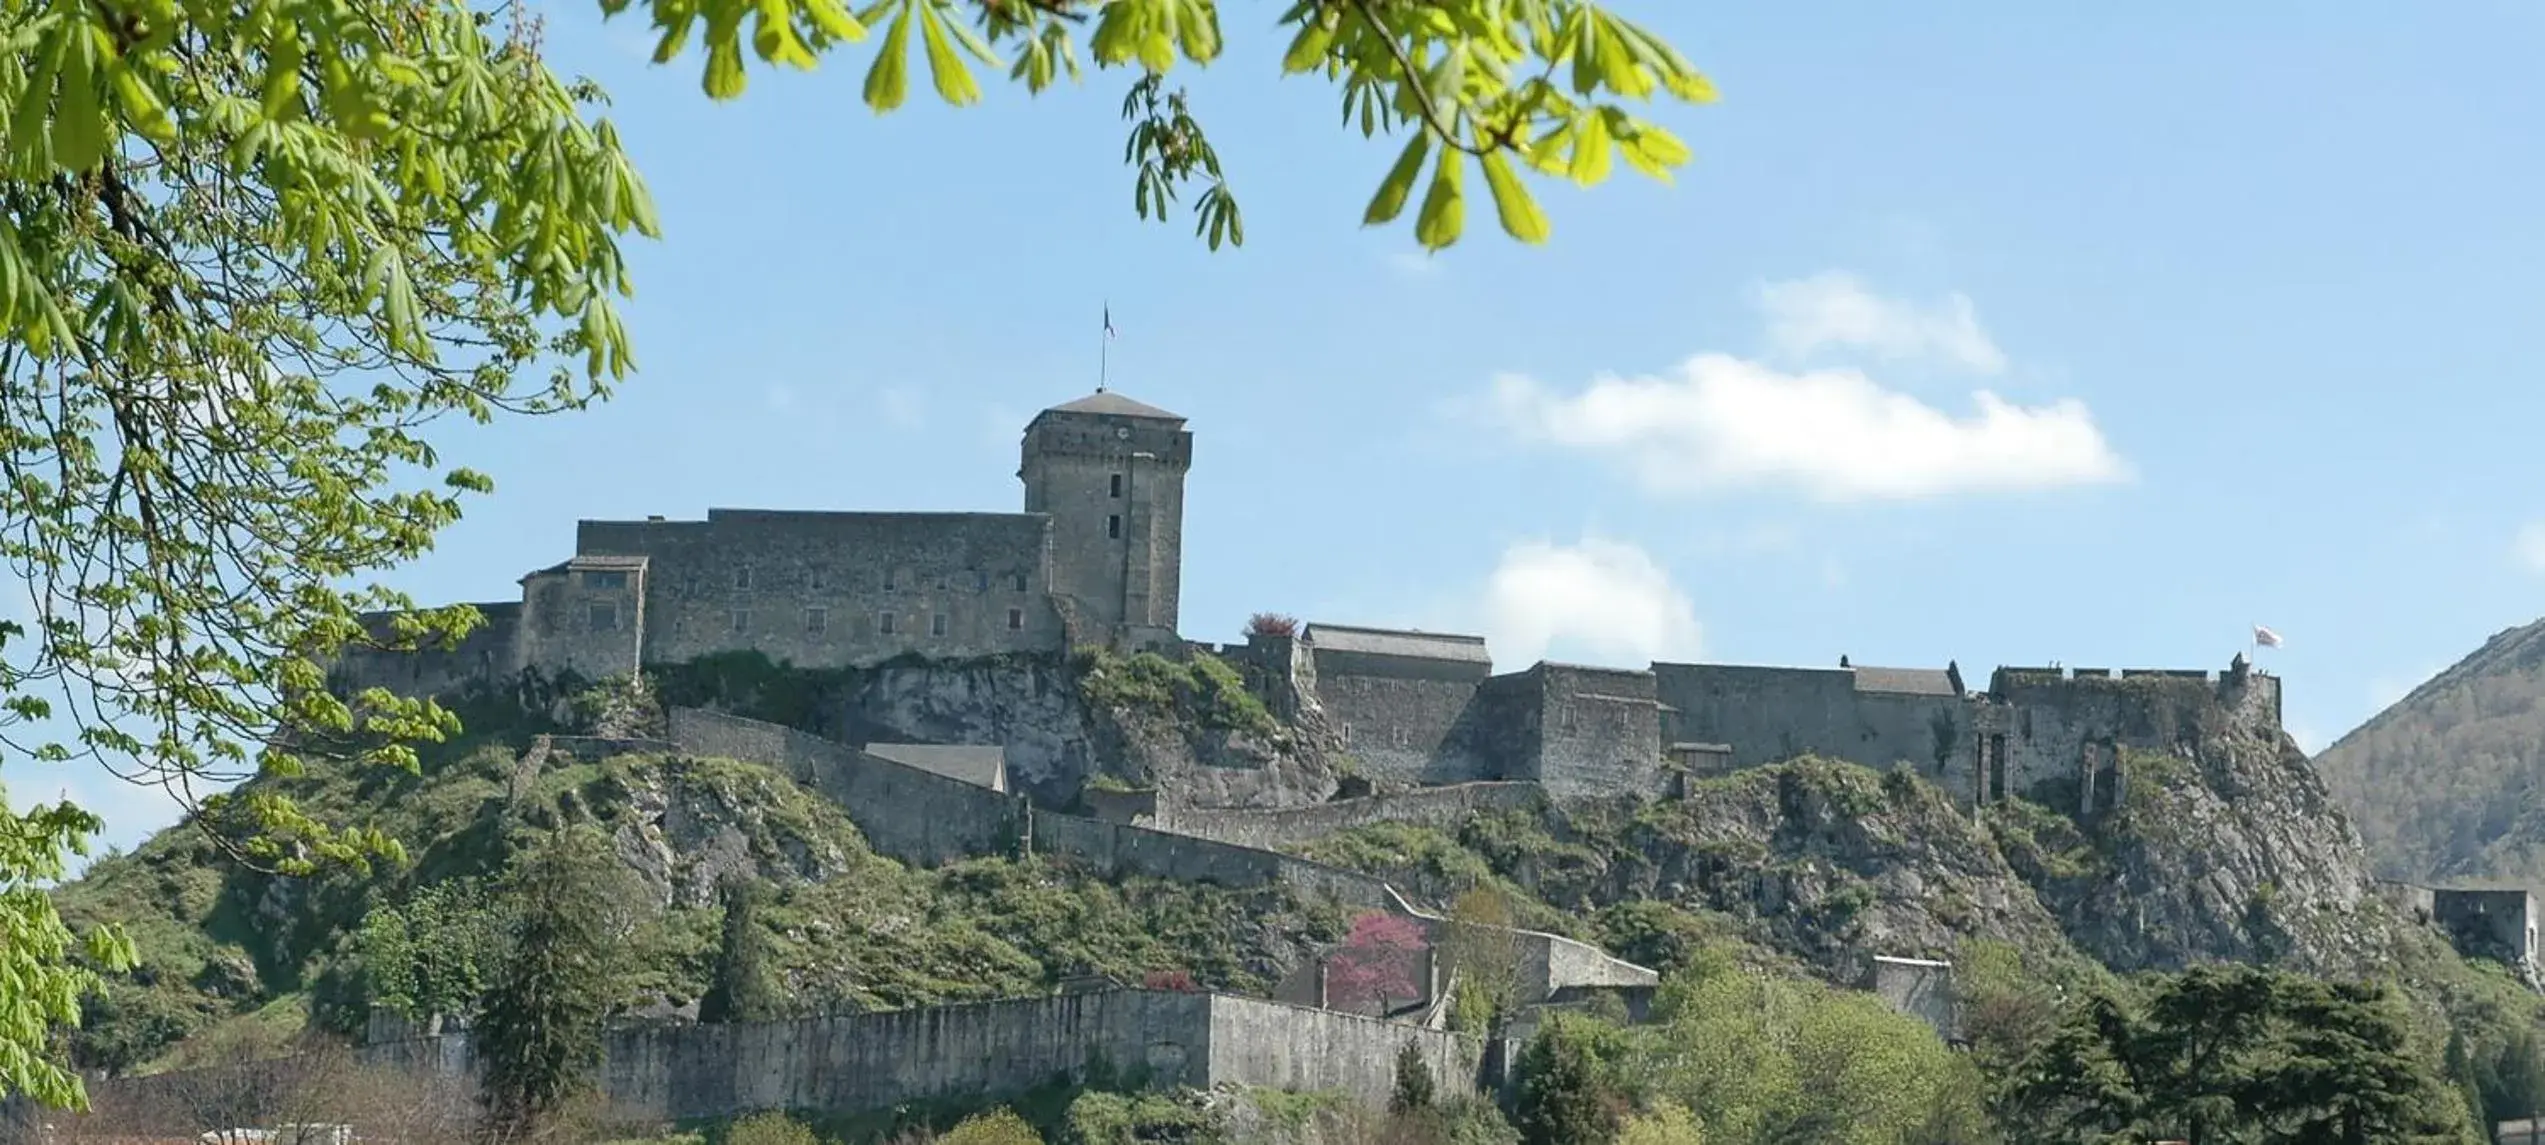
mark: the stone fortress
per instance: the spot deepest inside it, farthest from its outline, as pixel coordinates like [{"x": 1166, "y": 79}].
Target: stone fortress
[{"x": 1095, "y": 559}]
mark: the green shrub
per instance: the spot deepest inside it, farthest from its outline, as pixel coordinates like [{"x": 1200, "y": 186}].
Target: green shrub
[
  {"x": 1098, "y": 1118},
  {"x": 997, "y": 1127},
  {"x": 769, "y": 1129}
]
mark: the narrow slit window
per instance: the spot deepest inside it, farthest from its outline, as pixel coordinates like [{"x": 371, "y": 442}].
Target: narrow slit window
[
  {"x": 1113, "y": 526},
  {"x": 884, "y": 623},
  {"x": 937, "y": 624},
  {"x": 1117, "y": 485},
  {"x": 1015, "y": 619},
  {"x": 817, "y": 620},
  {"x": 742, "y": 577},
  {"x": 742, "y": 620}
]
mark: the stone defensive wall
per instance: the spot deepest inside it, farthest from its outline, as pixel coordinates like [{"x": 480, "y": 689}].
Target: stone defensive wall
[
  {"x": 915, "y": 816},
  {"x": 857, "y": 1063},
  {"x": 926, "y": 819},
  {"x": 1440, "y": 807}
]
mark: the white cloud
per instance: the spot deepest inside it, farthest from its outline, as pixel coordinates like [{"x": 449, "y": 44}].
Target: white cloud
[
  {"x": 1723, "y": 423},
  {"x": 1607, "y": 599},
  {"x": 902, "y": 407},
  {"x": 2529, "y": 546},
  {"x": 1835, "y": 308}
]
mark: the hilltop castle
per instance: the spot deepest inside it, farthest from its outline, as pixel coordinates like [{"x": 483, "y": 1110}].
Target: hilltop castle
[{"x": 1096, "y": 558}]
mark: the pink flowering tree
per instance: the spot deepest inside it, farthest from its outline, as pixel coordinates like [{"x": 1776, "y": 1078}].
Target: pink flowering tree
[{"x": 1378, "y": 966}]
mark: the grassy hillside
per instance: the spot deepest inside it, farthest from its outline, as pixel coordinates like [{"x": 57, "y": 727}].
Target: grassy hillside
[
  {"x": 226, "y": 946},
  {"x": 2449, "y": 783}
]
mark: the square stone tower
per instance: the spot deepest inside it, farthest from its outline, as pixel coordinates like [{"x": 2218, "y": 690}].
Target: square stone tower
[{"x": 1109, "y": 472}]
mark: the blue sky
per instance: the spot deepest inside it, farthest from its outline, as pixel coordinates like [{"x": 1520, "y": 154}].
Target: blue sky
[{"x": 2252, "y": 290}]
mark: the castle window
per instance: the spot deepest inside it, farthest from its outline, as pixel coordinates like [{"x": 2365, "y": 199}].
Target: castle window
[
  {"x": 981, "y": 580},
  {"x": 813, "y": 580},
  {"x": 1117, "y": 485},
  {"x": 817, "y": 620},
  {"x": 742, "y": 620},
  {"x": 1113, "y": 526},
  {"x": 1015, "y": 619},
  {"x": 605, "y": 617},
  {"x": 742, "y": 577},
  {"x": 937, "y": 624},
  {"x": 1020, "y": 582},
  {"x": 892, "y": 580},
  {"x": 605, "y": 578},
  {"x": 884, "y": 623}
]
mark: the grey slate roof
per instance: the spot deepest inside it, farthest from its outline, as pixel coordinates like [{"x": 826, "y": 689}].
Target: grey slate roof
[
  {"x": 1905, "y": 681},
  {"x": 982, "y": 765},
  {"x": 1399, "y": 642},
  {"x": 1108, "y": 402}
]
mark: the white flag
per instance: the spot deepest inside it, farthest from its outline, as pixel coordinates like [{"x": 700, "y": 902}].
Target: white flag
[{"x": 2265, "y": 637}]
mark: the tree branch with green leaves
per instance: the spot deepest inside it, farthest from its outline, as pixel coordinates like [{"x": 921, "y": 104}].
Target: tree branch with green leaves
[{"x": 1501, "y": 85}]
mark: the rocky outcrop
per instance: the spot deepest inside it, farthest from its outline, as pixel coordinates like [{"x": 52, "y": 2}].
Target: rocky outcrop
[
  {"x": 1189, "y": 726},
  {"x": 2225, "y": 846},
  {"x": 1832, "y": 863}
]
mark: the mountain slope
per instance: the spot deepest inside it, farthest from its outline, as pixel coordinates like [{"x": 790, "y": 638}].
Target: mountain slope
[{"x": 2449, "y": 783}]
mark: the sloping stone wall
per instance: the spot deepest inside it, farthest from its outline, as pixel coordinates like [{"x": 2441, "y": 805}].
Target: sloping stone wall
[{"x": 1442, "y": 807}]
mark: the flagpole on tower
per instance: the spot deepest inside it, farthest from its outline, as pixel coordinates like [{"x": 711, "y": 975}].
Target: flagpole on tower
[{"x": 1104, "y": 351}]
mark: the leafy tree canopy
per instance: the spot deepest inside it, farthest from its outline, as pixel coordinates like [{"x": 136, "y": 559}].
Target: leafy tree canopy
[{"x": 251, "y": 249}]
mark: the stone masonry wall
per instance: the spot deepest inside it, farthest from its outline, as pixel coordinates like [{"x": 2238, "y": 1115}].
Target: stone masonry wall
[
  {"x": 1769, "y": 715},
  {"x": 2062, "y": 732},
  {"x": 1441, "y": 807},
  {"x": 586, "y": 619},
  {"x": 484, "y": 656},
  {"x": 1405, "y": 727},
  {"x": 818, "y": 589},
  {"x": 982, "y": 1051},
  {"x": 1115, "y": 850},
  {"x": 906, "y": 813},
  {"x": 1600, "y": 733}
]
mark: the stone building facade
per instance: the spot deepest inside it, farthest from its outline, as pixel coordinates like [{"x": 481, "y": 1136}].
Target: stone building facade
[
  {"x": 1426, "y": 709},
  {"x": 1095, "y": 557}
]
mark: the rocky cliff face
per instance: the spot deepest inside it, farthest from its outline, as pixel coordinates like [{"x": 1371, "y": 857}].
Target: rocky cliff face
[
  {"x": 2225, "y": 848},
  {"x": 2446, "y": 783}
]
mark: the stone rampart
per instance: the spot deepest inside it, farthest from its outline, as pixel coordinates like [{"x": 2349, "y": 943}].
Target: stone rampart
[
  {"x": 1441, "y": 807},
  {"x": 981, "y": 1051},
  {"x": 480, "y": 659},
  {"x": 1115, "y": 850},
  {"x": 2062, "y": 734},
  {"x": 916, "y": 816}
]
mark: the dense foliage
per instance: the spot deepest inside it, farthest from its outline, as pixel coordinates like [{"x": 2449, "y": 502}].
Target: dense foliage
[{"x": 2233, "y": 1054}]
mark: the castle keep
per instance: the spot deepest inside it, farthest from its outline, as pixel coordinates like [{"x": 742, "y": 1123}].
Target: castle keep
[{"x": 1096, "y": 558}]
